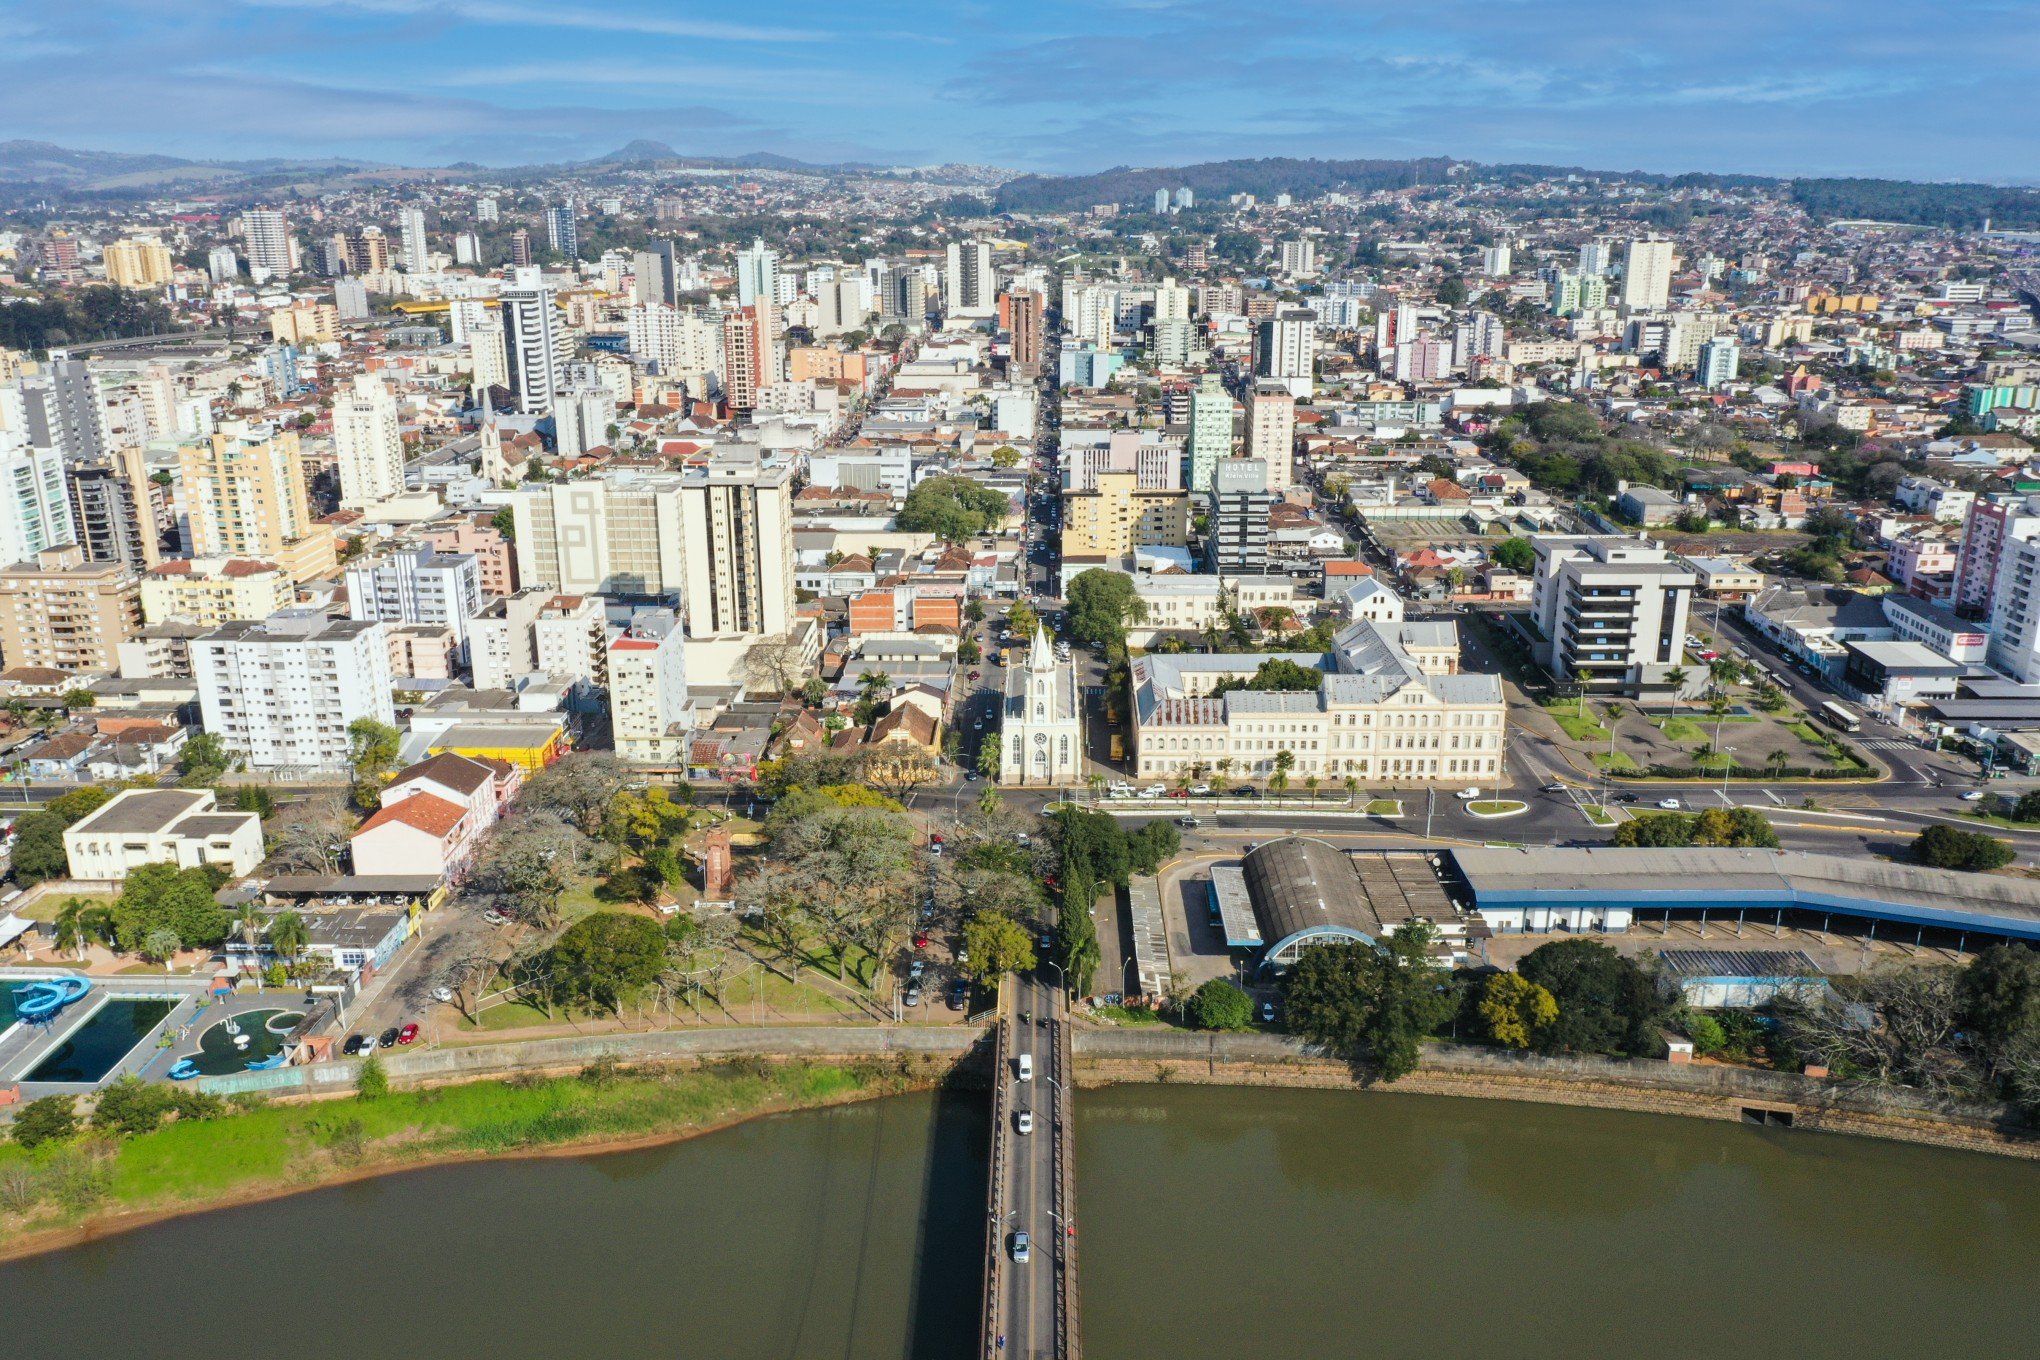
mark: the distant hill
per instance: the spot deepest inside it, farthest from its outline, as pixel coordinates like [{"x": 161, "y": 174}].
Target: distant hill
[
  {"x": 47, "y": 162},
  {"x": 1263, "y": 178}
]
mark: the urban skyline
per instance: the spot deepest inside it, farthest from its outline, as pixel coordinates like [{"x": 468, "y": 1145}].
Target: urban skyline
[{"x": 426, "y": 82}]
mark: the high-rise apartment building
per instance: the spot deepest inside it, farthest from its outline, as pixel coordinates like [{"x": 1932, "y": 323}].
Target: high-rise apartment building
[
  {"x": 737, "y": 532},
  {"x": 559, "y": 230},
  {"x": 418, "y": 585},
  {"x": 616, "y": 534},
  {"x": 267, "y": 234},
  {"x": 61, "y": 612},
  {"x": 520, "y": 248},
  {"x": 969, "y": 285},
  {"x": 1271, "y": 432},
  {"x": 138, "y": 262},
  {"x": 536, "y": 342},
  {"x": 1116, "y": 515},
  {"x": 1720, "y": 362},
  {"x": 35, "y": 512},
  {"x": 750, "y": 346},
  {"x": 1025, "y": 307},
  {"x": 486, "y": 210},
  {"x": 61, "y": 406},
  {"x": 467, "y": 248},
  {"x": 368, "y": 443},
  {"x": 1237, "y": 542},
  {"x": 1285, "y": 349},
  {"x": 1992, "y": 522},
  {"x": 350, "y": 299},
  {"x": 211, "y": 591},
  {"x": 1211, "y": 431},
  {"x": 655, "y": 274},
  {"x": 1299, "y": 258},
  {"x": 244, "y": 496},
  {"x": 757, "y": 274},
  {"x": 281, "y": 691},
  {"x": 411, "y": 225},
  {"x": 114, "y": 511},
  {"x": 1647, "y": 274},
  {"x": 649, "y": 714}
]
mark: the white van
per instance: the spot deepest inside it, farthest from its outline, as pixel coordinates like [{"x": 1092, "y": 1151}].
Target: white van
[{"x": 1024, "y": 1064}]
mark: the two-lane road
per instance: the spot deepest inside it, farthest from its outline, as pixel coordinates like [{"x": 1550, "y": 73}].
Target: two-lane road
[{"x": 1026, "y": 1313}]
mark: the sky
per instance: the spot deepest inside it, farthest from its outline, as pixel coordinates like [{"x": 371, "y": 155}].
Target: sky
[{"x": 1945, "y": 90}]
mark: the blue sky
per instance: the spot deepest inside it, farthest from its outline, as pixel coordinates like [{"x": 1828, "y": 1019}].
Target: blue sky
[{"x": 1889, "y": 87}]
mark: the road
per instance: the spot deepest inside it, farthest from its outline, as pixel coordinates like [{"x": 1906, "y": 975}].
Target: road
[{"x": 1026, "y": 1310}]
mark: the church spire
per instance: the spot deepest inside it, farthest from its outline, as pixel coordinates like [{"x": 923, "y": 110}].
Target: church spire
[{"x": 1040, "y": 657}]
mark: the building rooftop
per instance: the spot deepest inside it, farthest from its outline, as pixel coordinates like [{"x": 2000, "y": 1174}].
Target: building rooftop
[{"x": 141, "y": 812}]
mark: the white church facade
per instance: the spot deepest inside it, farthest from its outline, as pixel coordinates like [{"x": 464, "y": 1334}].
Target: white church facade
[{"x": 1041, "y": 732}]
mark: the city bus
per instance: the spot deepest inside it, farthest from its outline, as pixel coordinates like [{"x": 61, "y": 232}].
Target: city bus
[{"x": 1836, "y": 716}]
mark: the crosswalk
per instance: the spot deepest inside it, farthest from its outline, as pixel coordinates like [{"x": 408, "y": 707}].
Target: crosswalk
[{"x": 1887, "y": 744}]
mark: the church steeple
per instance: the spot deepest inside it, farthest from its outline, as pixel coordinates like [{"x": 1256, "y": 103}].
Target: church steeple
[{"x": 1040, "y": 657}]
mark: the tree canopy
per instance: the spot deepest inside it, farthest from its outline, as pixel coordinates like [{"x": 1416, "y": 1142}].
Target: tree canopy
[
  {"x": 1371, "y": 1001},
  {"x": 1219, "y": 1005},
  {"x": 952, "y": 508},
  {"x": 1950, "y": 847},
  {"x": 1278, "y": 674},
  {"x": 1606, "y": 1004},
  {"x": 1101, "y": 604}
]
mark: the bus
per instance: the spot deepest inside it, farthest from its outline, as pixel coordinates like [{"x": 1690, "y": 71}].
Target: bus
[{"x": 1836, "y": 716}]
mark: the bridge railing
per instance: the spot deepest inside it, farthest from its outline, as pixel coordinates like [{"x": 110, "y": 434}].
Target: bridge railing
[
  {"x": 1068, "y": 1334},
  {"x": 994, "y": 1219}
]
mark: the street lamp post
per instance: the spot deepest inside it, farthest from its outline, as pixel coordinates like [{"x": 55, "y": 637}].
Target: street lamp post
[{"x": 1727, "y": 768}]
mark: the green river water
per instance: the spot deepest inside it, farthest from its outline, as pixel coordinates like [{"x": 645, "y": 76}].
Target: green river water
[{"x": 1214, "y": 1223}]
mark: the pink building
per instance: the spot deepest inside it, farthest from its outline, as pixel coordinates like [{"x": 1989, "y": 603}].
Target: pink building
[
  {"x": 494, "y": 554},
  {"x": 1924, "y": 567}
]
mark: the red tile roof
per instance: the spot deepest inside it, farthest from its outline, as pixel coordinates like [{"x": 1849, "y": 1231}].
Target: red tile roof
[{"x": 426, "y": 812}]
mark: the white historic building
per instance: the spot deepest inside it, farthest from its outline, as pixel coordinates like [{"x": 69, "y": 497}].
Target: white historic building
[{"x": 1042, "y": 740}]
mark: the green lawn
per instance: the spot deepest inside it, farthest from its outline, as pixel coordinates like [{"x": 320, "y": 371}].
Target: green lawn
[
  {"x": 1384, "y": 807},
  {"x": 1597, "y": 814},
  {"x": 1566, "y": 713},
  {"x": 1713, "y": 760},
  {"x": 46, "y": 907},
  {"x": 191, "y": 1162},
  {"x": 1807, "y": 732},
  {"x": 1684, "y": 730},
  {"x": 1495, "y": 807},
  {"x": 1618, "y": 760}
]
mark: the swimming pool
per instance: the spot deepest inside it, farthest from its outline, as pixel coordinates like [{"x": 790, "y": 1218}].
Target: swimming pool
[
  {"x": 265, "y": 1032},
  {"x": 108, "y": 1035}
]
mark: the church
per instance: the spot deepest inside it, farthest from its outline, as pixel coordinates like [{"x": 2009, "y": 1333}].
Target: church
[{"x": 1041, "y": 734}]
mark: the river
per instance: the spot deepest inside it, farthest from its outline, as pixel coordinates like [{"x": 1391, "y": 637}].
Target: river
[{"x": 1214, "y": 1222}]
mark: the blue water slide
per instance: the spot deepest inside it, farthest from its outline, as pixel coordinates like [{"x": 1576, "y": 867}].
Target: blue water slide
[{"x": 39, "y": 1002}]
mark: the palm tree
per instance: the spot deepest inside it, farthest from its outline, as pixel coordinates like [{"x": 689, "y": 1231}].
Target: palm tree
[
  {"x": 1096, "y": 781},
  {"x": 289, "y": 935},
  {"x": 250, "y": 925},
  {"x": 1352, "y": 789},
  {"x": 78, "y": 923},
  {"x": 1225, "y": 764},
  {"x": 1676, "y": 678},
  {"x": 871, "y": 682},
  {"x": 1776, "y": 762},
  {"x": 1311, "y": 783},
  {"x": 990, "y": 800},
  {"x": 1724, "y": 671},
  {"x": 1285, "y": 760}
]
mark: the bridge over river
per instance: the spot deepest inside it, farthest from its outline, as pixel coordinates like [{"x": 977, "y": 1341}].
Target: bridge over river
[{"x": 1030, "y": 1306}]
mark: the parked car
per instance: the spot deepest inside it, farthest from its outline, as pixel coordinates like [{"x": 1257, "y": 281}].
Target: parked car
[
  {"x": 1973, "y": 796},
  {"x": 1467, "y": 795},
  {"x": 367, "y": 1044},
  {"x": 1154, "y": 791},
  {"x": 959, "y": 994},
  {"x": 920, "y": 939},
  {"x": 936, "y": 849},
  {"x": 1668, "y": 804},
  {"x": 354, "y": 1043},
  {"x": 975, "y": 674},
  {"x": 442, "y": 994},
  {"x": 1267, "y": 1012},
  {"x": 390, "y": 1036},
  {"x": 408, "y": 1034},
  {"x": 916, "y": 969},
  {"x": 494, "y": 917},
  {"x": 1186, "y": 822},
  {"x": 913, "y": 996}
]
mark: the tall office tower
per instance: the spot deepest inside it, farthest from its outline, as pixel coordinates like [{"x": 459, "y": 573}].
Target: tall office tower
[
  {"x": 969, "y": 287},
  {"x": 418, "y": 585},
  {"x": 1237, "y": 544},
  {"x": 1647, "y": 274},
  {"x": 737, "y": 528},
  {"x": 1025, "y": 307},
  {"x": 1720, "y": 362},
  {"x": 657, "y": 275},
  {"x": 486, "y": 210},
  {"x": 536, "y": 342},
  {"x": 1211, "y": 427},
  {"x": 282, "y": 691},
  {"x": 350, "y": 299},
  {"x": 1299, "y": 258},
  {"x": 35, "y": 514},
  {"x": 520, "y": 249},
  {"x": 113, "y": 511},
  {"x": 140, "y": 262},
  {"x": 62, "y": 408},
  {"x": 368, "y": 443},
  {"x": 559, "y": 229},
  {"x": 1271, "y": 432},
  {"x": 411, "y": 226},
  {"x": 1594, "y": 257},
  {"x": 222, "y": 264},
  {"x": 267, "y": 233},
  {"x": 59, "y": 611},
  {"x": 467, "y": 248},
  {"x": 1285, "y": 347},
  {"x": 757, "y": 274},
  {"x": 244, "y": 496}
]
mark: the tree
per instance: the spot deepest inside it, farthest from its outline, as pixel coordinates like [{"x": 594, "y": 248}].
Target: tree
[
  {"x": 1005, "y": 456},
  {"x": 1276, "y": 675},
  {"x": 1285, "y": 761},
  {"x": 775, "y": 665},
  {"x": 1514, "y": 554},
  {"x": 991, "y": 801},
  {"x": 372, "y": 1082},
  {"x": 79, "y": 923},
  {"x": 989, "y": 752},
  {"x": 289, "y": 935},
  {"x": 898, "y": 768},
  {"x": 1606, "y": 1004},
  {"x": 578, "y": 789},
  {"x": 313, "y": 839},
  {"x": 1913, "y": 1038},
  {"x": 1153, "y": 845},
  {"x": 504, "y": 522},
  {"x": 1101, "y": 604},
  {"x": 51, "y": 1119},
  {"x": 372, "y": 749},
  {"x": 1999, "y": 998},
  {"x": 159, "y": 899},
  {"x": 1675, "y": 681},
  {"x": 952, "y": 508},
  {"x": 1022, "y": 619},
  {"x": 997, "y": 944},
  {"x": 39, "y": 848},
  {"x": 1948, "y": 847},
  {"x": 161, "y": 944},
  {"x": 1376, "y": 1001},
  {"x": 79, "y": 698},
  {"x": 1452, "y": 292},
  {"x": 130, "y": 1107},
  {"x": 606, "y": 959},
  {"x": 531, "y": 859},
  {"x": 1219, "y": 1005},
  {"x": 1515, "y": 1010}
]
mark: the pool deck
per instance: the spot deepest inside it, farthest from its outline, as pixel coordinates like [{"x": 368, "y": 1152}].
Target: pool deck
[{"x": 22, "y": 1047}]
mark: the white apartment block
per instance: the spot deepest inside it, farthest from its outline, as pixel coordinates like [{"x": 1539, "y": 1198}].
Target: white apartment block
[
  {"x": 1611, "y": 610},
  {"x": 1647, "y": 274},
  {"x": 502, "y": 640},
  {"x": 571, "y": 638},
  {"x": 418, "y": 585},
  {"x": 368, "y": 443},
  {"x": 537, "y": 344},
  {"x": 1385, "y": 712},
  {"x": 283, "y": 690},
  {"x": 35, "y": 508},
  {"x": 616, "y": 534},
  {"x": 648, "y": 709},
  {"x": 737, "y": 535},
  {"x": 1271, "y": 432}
]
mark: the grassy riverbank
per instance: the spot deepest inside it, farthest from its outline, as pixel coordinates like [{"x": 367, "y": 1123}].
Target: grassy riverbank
[{"x": 92, "y": 1184}]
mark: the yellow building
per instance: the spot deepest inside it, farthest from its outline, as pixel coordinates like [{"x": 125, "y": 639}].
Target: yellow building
[
  {"x": 138, "y": 262},
  {"x": 64, "y": 613},
  {"x": 305, "y": 323},
  {"x": 244, "y": 491},
  {"x": 1119, "y": 515},
  {"x": 215, "y": 590},
  {"x": 527, "y": 745}
]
